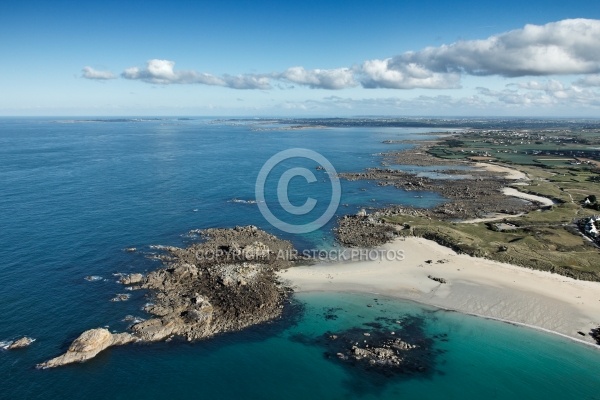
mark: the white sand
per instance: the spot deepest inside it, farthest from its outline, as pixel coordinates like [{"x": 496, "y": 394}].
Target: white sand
[
  {"x": 490, "y": 218},
  {"x": 510, "y": 173},
  {"x": 474, "y": 286},
  {"x": 514, "y": 174},
  {"x": 531, "y": 197}
]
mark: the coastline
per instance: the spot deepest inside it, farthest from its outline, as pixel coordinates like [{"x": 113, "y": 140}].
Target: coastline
[
  {"x": 523, "y": 292},
  {"x": 476, "y": 286}
]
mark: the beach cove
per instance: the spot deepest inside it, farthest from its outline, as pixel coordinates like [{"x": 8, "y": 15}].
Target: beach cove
[{"x": 476, "y": 286}]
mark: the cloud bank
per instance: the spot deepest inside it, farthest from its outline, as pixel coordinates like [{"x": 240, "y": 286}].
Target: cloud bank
[
  {"x": 162, "y": 72},
  {"x": 544, "y": 94},
  {"x": 590, "y": 80},
  {"x": 385, "y": 74},
  {"x": 566, "y": 47},
  {"x": 514, "y": 99}
]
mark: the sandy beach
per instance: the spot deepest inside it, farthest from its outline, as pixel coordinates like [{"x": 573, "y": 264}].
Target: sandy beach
[
  {"x": 526, "y": 196},
  {"x": 515, "y": 174},
  {"x": 509, "y": 173},
  {"x": 473, "y": 285}
]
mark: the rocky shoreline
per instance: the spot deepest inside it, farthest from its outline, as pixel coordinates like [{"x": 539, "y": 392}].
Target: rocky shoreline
[
  {"x": 478, "y": 195},
  {"x": 229, "y": 282},
  {"x": 226, "y": 283},
  {"x": 475, "y": 196},
  {"x": 418, "y": 155},
  {"x": 470, "y": 193}
]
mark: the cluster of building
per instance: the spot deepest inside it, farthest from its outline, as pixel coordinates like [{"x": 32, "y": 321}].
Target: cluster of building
[{"x": 590, "y": 228}]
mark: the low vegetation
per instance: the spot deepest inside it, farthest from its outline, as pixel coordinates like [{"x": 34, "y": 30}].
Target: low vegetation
[
  {"x": 545, "y": 240},
  {"x": 561, "y": 165}
]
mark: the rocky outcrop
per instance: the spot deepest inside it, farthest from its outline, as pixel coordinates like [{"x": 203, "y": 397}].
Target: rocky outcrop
[
  {"x": 437, "y": 279},
  {"x": 363, "y": 231},
  {"x": 131, "y": 279},
  {"x": 88, "y": 345},
  {"x": 467, "y": 196},
  {"x": 225, "y": 283},
  {"x": 20, "y": 343},
  {"x": 121, "y": 297},
  {"x": 595, "y": 334}
]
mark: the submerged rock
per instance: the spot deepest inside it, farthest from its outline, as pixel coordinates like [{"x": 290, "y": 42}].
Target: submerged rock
[
  {"x": 376, "y": 348},
  {"x": 389, "y": 355},
  {"x": 88, "y": 345},
  {"x": 383, "y": 352}
]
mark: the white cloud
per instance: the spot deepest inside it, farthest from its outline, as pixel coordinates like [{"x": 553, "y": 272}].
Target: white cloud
[
  {"x": 380, "y": 74},
  {"x": 551, "y": 85},
  {"x": 339, "y": 78},
  {"x": 569, "y": 46},
  {"x": 526, "y": 98},
  {"x": 162, "y": 72},
  {"x": 547, "y": 93},
  {"x": 91, "y": 73},
  {"x": 406, "y": 104},
  {"x": 590, "y": 80},
  {"x": 514, "y": 97},
  {"x": 247, "y": 81}
]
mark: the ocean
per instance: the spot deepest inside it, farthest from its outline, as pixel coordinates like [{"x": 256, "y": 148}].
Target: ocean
[{"x": 75, "y": 193}]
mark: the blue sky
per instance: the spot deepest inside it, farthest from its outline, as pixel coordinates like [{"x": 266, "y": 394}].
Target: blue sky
[{"x": 311, "y": 58}]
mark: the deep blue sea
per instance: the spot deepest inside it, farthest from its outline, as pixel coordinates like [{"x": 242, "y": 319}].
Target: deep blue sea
[{"x": 74, "y": 193}]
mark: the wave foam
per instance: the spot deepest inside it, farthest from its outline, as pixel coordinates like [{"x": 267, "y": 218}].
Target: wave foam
[
  {"x": 5, "y": 343},
  {"x": 236, "y": 200}
]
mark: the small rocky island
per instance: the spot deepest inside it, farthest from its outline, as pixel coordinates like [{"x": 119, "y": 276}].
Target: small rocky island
[
  {"x": 225, "y": 283},
  {"x": 20, "y": 343}
]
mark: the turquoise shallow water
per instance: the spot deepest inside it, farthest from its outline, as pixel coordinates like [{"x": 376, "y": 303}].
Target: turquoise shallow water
[
  {"x": 75, "y": 193},
  {"x": 481, "y": 358}
]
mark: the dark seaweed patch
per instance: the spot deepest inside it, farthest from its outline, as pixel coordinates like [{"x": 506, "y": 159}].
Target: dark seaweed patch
[{"x": 382, "y": 351}]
